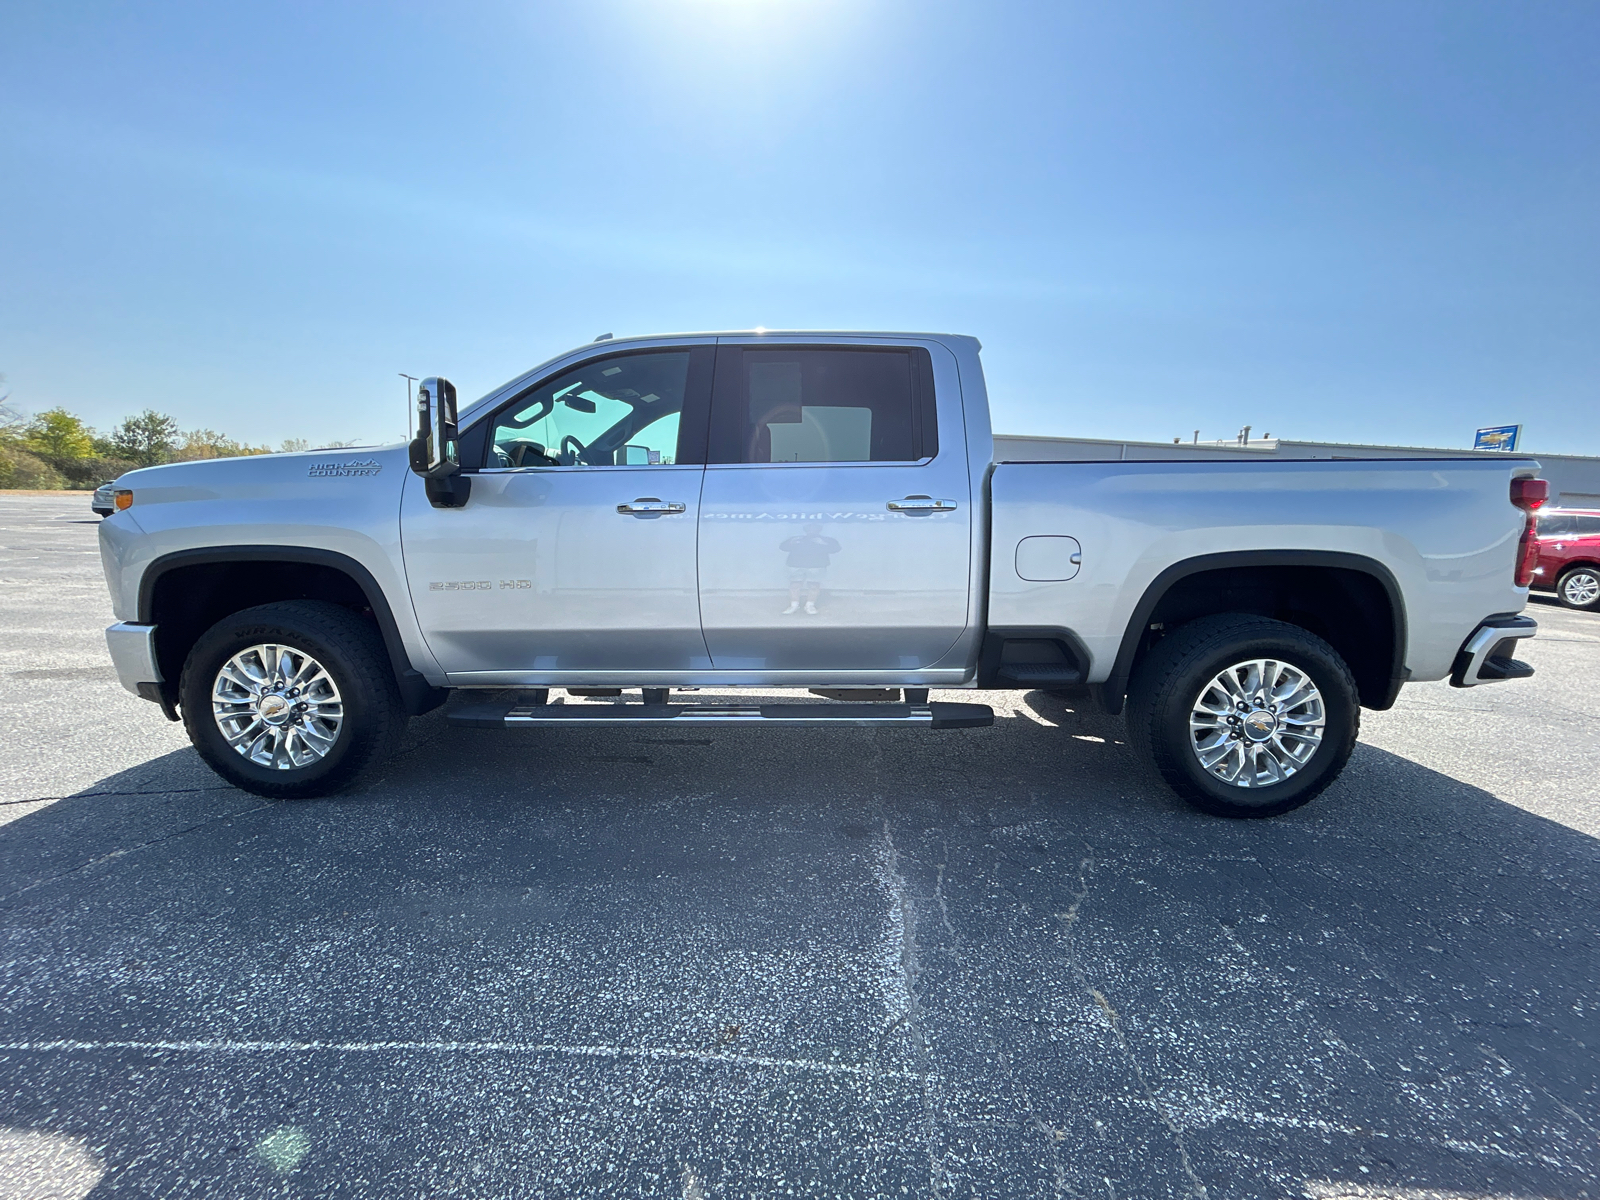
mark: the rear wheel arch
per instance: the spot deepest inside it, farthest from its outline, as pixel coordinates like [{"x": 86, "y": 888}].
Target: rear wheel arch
[
  {"x": 1349, "y": 600},
  {"x": 185, "y": 593}
]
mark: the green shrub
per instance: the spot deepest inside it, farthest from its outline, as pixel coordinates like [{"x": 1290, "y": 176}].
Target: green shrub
[
  {"x": 91, "y": 472},
  {"x": 19, "y": 469}
]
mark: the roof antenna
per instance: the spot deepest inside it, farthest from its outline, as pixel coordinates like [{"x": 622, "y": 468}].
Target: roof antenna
[{"x": 604, "y": 337}]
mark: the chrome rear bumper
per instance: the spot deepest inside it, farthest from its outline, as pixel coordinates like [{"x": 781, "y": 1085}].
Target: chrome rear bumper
[{"x": 1485, "y": 657}]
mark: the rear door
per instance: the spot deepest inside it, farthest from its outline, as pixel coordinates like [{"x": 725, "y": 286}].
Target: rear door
[{"x": 836, "y": 513}]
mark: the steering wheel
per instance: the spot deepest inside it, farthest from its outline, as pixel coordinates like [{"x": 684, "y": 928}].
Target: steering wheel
[{"x": 577, "y": 448}]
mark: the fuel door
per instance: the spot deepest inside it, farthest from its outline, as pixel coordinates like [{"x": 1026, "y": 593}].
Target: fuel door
[{"x": 1048, "y": 558}]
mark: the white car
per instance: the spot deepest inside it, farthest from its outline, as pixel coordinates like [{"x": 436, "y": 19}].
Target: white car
[
  {"x": 812, "y": 511},
  {"x": 102, "y": 502}
]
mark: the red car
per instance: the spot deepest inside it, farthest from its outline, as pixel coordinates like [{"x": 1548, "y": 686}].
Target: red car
[{"x": 1569, "y": 556}]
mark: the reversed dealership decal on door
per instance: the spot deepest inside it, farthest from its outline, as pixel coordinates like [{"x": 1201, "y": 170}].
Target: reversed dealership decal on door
[
  {"x": 327, "y": 470},
  {"x": 478, "y": 585}
]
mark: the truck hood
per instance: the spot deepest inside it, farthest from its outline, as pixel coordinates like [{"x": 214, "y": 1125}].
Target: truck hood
[
  {"x": 345, "y": 502},
  {"x": 215, "y": 478}
]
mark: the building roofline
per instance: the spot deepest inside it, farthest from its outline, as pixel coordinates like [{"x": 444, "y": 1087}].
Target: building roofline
[{"x": 1278, "y": 445}]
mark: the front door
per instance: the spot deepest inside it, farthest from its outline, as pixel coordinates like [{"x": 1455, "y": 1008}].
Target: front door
[
  {"x": 576, "y": 549},
  {"x": 835, "y": 528}
]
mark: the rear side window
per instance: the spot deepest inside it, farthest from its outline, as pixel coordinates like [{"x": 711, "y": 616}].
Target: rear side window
[
  {"x": 1568, "y": 524},
  {"x": 814, "y": 404}
]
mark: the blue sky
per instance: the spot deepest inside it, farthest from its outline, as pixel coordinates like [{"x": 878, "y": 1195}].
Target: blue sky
[{"x": 1347, "y": 221}]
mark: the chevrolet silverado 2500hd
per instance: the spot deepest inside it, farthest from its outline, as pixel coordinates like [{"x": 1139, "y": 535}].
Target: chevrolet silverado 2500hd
[{"x": 814, "y": 511}]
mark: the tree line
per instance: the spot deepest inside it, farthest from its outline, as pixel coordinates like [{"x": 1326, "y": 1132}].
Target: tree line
[{"x": 56, "y": 449}]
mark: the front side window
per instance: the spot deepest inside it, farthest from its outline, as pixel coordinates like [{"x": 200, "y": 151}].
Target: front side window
[
  {"x": 822, "y": 405},
  {"x": 1555, "y": 525},
  {"x": 622, "y": 411}
]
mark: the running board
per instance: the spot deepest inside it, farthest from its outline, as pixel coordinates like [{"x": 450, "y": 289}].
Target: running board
[{"x": 927, "y": 716}]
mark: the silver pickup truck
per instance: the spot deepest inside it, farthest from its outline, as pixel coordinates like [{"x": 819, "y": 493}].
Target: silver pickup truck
[{"x": 810, "y": 511}]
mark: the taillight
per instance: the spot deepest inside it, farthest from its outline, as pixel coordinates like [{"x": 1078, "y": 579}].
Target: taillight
[{"x": 1528, "y": 495}]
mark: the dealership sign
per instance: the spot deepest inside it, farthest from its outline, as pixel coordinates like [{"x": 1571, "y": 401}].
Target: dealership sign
[{"x": 1497, "y": 437}]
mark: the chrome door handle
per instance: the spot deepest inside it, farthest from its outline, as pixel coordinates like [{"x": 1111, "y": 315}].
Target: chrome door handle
[
  {"x": 650, "y": 506},
  {"x": 921, "y": 504}
]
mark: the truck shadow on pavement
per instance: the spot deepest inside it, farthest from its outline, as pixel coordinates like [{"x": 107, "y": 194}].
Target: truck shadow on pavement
[{"x": 855, "y": 962}]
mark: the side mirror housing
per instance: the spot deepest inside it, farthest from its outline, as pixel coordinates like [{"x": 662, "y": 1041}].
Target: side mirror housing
[{"x": 434, "y": 453}]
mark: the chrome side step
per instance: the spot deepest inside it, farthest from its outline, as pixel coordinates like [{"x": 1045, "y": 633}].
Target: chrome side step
[{"x": 927, "y": 716}]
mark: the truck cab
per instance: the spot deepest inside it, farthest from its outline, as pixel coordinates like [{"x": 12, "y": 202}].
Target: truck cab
[{"x": 781, "y": 510}]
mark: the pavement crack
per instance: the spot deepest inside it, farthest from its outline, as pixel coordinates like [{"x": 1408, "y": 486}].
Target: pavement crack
[
  {"x": 902, "y": 972},
  {"x": 954, "y": 950},
  {"x": 137, "y": 846},
  {"x": 1573, "y": 1114},
  {"x": 1069, "y": 923},
  {"x": 221, "y": 787}
]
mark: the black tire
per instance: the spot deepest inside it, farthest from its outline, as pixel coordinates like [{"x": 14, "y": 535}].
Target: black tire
[
  {"x": 1169, "y": 683},
  {"x": 351, "y": 651},
  {"x": 1583, "y": 573}
]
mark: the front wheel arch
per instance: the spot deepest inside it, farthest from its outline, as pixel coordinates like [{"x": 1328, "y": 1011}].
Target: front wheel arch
[
  {"x": 371, "y": 718},
  {"x": 184, "y": 593}
]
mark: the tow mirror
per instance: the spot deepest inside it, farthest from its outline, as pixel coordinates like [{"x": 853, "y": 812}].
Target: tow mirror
[{"x": 434, "y": 454}]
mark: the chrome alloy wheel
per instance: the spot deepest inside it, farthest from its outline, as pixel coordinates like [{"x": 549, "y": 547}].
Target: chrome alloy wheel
[
  {"x": 277, "y": 706},
  {"x": 1257, "y": 723},
  {"x": 1580, "y": 588}
]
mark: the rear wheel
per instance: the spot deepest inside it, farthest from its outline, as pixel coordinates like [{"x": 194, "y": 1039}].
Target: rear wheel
[
  {"x": 1244, "y": 716},
  {"x": 1580, "y": 588},
  {"x": 291, "y": 700}
]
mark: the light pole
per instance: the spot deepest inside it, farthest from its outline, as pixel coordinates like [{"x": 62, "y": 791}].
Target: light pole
[{"x": 410, "y": 379}]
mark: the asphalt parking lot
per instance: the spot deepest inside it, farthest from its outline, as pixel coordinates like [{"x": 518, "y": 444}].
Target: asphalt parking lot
[{"x": 989, "y": 963}]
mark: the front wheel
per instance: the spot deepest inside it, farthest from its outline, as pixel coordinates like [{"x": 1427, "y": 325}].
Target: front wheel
[
  {"x": 1244, "y": 716},
  {"x": 1580, "y": 588},
  {"x": 291, "y": 700}
]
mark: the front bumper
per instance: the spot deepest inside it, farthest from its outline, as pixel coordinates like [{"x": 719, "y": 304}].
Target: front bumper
[
  {"x": 1485, "y": 657},
  {"x": 133, "y": 653}
]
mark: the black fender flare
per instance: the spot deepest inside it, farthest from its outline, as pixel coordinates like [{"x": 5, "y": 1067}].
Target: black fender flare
[
  {"x": 1114, "y": 690},
  {"x": 418, "y": 695}
]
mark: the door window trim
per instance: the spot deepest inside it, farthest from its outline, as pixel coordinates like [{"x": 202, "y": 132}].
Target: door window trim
[{"x": 720, "y": 441}]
